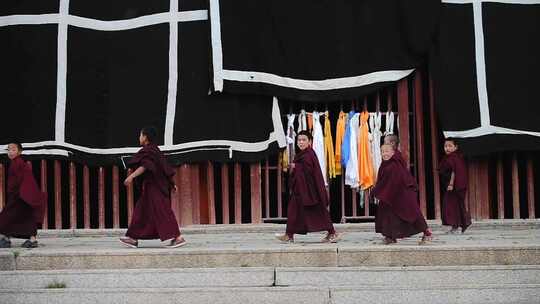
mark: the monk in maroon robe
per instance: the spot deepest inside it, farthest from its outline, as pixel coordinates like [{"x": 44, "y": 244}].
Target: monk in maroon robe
[
  {"x": 308, "y": 201},
  {"x": 153, "y": 217},
  {"x": 25, "y": 203},
  {"x": 454, "y": 176},
  {"x": 398, "y": 214}
]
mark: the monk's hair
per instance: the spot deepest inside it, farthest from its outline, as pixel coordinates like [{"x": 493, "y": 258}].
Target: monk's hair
[
  {"x": 452, "y": 140},
  {"x": 393, "y": 139},
  {"x": 18, "y": 145},
  {"x": 305, "y": 133},
  {"x": 389, "y": 145},
  {"x": 150, "y": 132}
]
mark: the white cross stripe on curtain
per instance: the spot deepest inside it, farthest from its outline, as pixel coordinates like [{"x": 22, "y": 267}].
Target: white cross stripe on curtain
[
  {"x": 486, "y": 128},
  {"x": 63, "y": 19}
]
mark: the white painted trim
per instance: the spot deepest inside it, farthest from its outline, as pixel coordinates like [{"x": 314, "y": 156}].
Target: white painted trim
[
  {"x": 173, "y": 75},
  {"x": 492, "y": 1},
  {"x": 58, "y": 152},
  {"x": 103, "y": 25},
  {"x": 277, "y": 135},
  {"x": 217, "y": 53},
  {"x": 480, "y": 64},
  {"x": 60, "y": 116},
  {"x": 316, "y": 85},
  {"x": 488, "y": 130}
]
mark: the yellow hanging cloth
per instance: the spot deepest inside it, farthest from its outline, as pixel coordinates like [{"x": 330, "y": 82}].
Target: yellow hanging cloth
[
  {"x": 329, "y": 147},
  {"x": 365, "y": 166},
  {"x": 340, "y": 133},
  {"x": 284, "y": 160}
]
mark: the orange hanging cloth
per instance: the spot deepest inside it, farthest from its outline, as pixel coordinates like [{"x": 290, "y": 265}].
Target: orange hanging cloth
[
  {"x": 365, "y": 166},
  {"x": 340, "y": 133},
  {"x": 310, "y": 122}
]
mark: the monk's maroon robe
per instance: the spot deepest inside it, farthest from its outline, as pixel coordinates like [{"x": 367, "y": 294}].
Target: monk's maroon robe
[
  {"x": 398, "y": 214},
  {"x": 25, "y": 202},
  {"x": 454, "y": 212},
  {"x": 153, "y": 217},
  {"x": 308, "y": 201}
]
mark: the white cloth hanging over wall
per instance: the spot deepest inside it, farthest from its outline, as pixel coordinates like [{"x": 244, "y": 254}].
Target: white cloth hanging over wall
[
  {"x": 302, "y": 122},
  {"x": 351, "y": 171},
  {"x": 389, "y": 126},
  {"x": 291, "y": 137},
  {"x": 375, "y": 121},
  {"x": 318, "y": 144}
]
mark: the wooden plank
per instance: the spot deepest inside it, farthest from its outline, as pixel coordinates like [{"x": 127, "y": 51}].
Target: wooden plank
[
  {"x": 43, "y": 184},
  {"x": 101, "y": 198},
  {"x": 500, "y": 187},
  {"x": 434, "y": 152},
  {"x": 403, "y": 119},
  {"x": 186, "y": 202},
  {"x": 473, "y": 199},
  {"x": 483, "y": 183},
  {"x": 266, "y": 189},
  {"x": 225, "y": 193},
  {"x": 354, "y": 204},
  {"x": 420, "y": 166},
  {"x": 211, "y": 192},
  {"x": 530, "y": 187},
  {"x": 515, "y": 187},
  {"x": 72, "y": 196},
  {"x": 86, "y": 196},
  {"x": 342, "y": 189},
  {"x": 175, "y": 196},
  {"x": 195, "y": 194},
  {"x": 2, "y": 186},
  {"x": 366, "y": 203},
  {"x": 57, "y": 195},
  {"x": 256, "y": 202},
  {"x": 116, "y": 197},
  {"x": 237, "y": 193},
  {"x": 130, "y": 202}
]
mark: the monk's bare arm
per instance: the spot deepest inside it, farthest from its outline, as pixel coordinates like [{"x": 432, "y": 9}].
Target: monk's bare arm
[{"x": 129, "y": 179}]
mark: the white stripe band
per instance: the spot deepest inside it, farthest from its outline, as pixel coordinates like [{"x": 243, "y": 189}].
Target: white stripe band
[
  {"x": 173, "y": 76},
  {"x": 492, "y": 1},
  {"x": 60, "y": 116}
]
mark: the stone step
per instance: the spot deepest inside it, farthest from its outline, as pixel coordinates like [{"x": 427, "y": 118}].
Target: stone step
[
  {"x": 267, "y": 277},
  {"x": 435, "y": 225},
  {"x": 475, "y": 294},
  {"x": 273, "y": 256}
]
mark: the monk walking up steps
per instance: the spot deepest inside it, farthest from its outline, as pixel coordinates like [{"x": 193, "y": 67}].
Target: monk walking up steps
[
  {"x": 23, "y": 212},
  {"x": 398, "y": 214},
  {"x": 454, "y": 175},
  {"x": 308, "y": 202},
  {"x": 153, "y": 217}
]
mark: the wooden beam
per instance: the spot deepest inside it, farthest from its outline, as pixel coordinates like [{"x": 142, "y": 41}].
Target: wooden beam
[
  {"x": 195, "y": 194},
  {"x": 130, "y": 202},
  {"x": 211, "y": 193},
  {"x": 266, "y": 189},
  {"x": 255, "y": 181},
  {"x": 279, "y": 189},
  {"x": 403, "y": 119},
  {"x": 57, "y": 195},
  {"x": 434, "y": 152},
  {"x": 86, "y": 196},
  {"x": 237, "y": 193},
  {"x": 101, "y": 198},
  {"x": 530, "y": 187},
  {"x": 225, "y": 193},
  {"x": 420, "y": 166},
  {"x": 116, "y": 197},
  {"x": 500, "y": 187},
  {"x": 72, "y": 196},
  {"x": 43, "y": 184},
  {"x": 186, "y": 200},
  {"x": 515, "y": 187}
]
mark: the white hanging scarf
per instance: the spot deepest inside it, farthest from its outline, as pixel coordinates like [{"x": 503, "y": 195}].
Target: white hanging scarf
[
  {"x": 302, "y": 121},
  {"x": 318, "y": 144},
  {"x": 389, "y": 127},
  {"x": 375, "y": 121},
  {"x": 291, "y": 137}
]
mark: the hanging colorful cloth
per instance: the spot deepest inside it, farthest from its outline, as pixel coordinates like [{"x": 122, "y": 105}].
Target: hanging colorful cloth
[
  {"x": 329, "y": 147},
  {"x": 291, "y": 139},
  {"x": 346, "y": 145},
  {"x": 365, "y": 165},
  {"x": 318, "y": 144},
  {"x": 302, "y": 125},
  {"x": 340, "y": 133},
  {"x": 351, "y": 170},
  {"x": 310, "y": 122},
  {"x": 375, "y": 120}
]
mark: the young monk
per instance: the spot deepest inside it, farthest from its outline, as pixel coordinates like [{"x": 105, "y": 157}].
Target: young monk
[
  {"x": 454, "y": 175},
  {"x": 25, "y": 203},
  {"x": 152, "y": 217},
  {"x": 398, "y": 214},
  {"x": 308, "y": 201}
]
